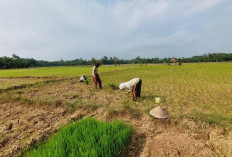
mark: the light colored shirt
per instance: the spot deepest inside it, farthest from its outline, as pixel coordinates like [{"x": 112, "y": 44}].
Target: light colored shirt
[
  {"x": 82, "y": 78},
  {"x": 95, "y": 70},
  {"x": 130, "y": 84}
]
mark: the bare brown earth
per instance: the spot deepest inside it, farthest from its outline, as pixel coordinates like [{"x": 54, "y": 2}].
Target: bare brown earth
[{"x": 22, "y": 123}]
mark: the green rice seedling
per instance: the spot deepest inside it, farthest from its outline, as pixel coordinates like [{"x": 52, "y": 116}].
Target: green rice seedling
[
  {"x": 88, "y": 137},
  {"x": 86, "y": 81},
  {"x": 112, "y": 86}
]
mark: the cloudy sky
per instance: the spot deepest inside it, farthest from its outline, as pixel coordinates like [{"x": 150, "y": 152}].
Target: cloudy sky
[{"x": 70, "y": 29}]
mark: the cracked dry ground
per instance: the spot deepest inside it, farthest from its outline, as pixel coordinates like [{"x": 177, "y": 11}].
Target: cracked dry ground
[{"x": 23, "y": 123}]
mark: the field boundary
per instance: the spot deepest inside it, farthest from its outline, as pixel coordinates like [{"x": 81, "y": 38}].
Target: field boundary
[{"x": 34, "y": 84}]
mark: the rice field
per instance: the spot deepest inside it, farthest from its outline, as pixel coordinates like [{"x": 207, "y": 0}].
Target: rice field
[
  {"x": 56, "y": 71},
  {"x": 6, "y": 83},
  {"x": 199, "y": 92}
]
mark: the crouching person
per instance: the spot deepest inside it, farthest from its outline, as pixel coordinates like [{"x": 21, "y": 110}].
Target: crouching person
[
  {"x": 133, "y": 86},
  {"x": 83, "y": 78}
]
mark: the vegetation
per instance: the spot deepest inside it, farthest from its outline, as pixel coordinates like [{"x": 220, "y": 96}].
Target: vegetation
[
  {"x": 17, "y": 62},
  {"x": 57, "y": 71},
  {"x": 185, "y": 90},
  {"x": 88, "y": 137},
  {"x": 112, "y": 86},
  {"x": 199, "y": 92},
  {"x": 86, "y": 82}
]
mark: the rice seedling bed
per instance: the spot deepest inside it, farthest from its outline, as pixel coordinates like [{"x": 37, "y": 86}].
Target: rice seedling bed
[{"x": 88, "y": 137}]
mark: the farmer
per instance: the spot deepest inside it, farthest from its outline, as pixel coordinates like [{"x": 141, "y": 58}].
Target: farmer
[
  {"x": 83, "y": 78},
  {"x": 96, "y": 78},
  {"x": 133, "y": 85}
]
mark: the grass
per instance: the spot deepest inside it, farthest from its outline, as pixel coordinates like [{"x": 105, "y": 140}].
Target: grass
[
  {"x": 212, "y": 118},
  {"x": 57, "y": 71},
  {"x": 112, "y": 86},
  {"x": 10, "y": 82},
  {"x": 184, "y": 90},
  {"x": 85, "y": 138},
  {"x": 203, "y": 86}
]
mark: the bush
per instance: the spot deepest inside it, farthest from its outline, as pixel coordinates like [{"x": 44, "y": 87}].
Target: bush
[{"x": 87, "y": 137}]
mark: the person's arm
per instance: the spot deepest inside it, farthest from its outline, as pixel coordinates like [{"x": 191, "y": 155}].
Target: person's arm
[{"x": 128, "y": 92}]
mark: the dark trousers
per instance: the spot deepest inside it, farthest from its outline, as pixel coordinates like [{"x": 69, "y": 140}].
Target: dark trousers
[
  {"x": 96, "y": 80},
  {"x": 136, "y": 91}
]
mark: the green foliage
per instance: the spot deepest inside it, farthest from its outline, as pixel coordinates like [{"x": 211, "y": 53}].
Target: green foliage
[
  {"x": 112, "y": 86},
  {"x": 213, "y": 118},
  {"x": 17, "y": 62},
  {"x": 86, "y": 81},
  {"x": 87, "y": 137}
]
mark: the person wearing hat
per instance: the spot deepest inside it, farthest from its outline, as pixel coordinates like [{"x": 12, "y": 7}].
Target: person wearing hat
[
  {"x": 96, "y": 78},
  {"x": 133, "y": 86}
]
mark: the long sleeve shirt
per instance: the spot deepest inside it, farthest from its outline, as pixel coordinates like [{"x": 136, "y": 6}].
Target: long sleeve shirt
[
  {"x": 130, "y": 84},
  {"x": 95, "y": 70}
]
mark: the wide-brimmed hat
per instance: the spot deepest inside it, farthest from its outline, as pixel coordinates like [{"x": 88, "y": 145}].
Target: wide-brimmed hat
[{"x": 158, "y": 112}]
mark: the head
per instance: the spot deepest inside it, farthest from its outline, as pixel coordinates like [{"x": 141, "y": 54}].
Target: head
[
  {"x": 122, "y": 86},
  {"x": 97, "y": 64}
]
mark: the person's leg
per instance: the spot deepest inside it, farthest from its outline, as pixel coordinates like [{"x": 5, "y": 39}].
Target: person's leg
[
  {"x": 99, "y": 80},
  {"x": 134, "y": 93},
  {"x": 95, "y": 81},
  {"x": 138, "y": 91}
]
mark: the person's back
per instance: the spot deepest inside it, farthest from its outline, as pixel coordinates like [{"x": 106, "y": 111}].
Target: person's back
[
  {"x": 130, "y": 84},
  {"x": 133, "y": 85}
]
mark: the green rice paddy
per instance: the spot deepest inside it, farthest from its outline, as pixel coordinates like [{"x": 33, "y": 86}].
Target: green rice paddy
[
  {"x": 85, "y": 138},
  {"x": 57, "y": 71}
]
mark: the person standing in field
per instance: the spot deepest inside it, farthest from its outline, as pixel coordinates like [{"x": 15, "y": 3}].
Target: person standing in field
[
  {"x": 133, "y": 86},
  {"x": 96, "y": 78}
]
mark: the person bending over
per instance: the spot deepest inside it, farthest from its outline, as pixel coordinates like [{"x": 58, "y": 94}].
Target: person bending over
[
  {"x": 133, "y": 85},
  {"x": 96, "y": 78}
]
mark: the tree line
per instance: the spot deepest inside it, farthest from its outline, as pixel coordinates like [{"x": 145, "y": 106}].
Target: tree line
[{"x": 17, "y": 62}]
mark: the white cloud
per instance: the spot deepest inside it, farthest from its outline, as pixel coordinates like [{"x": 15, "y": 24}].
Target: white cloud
[
  {"x": 55, "y": 29},
  {"x": 131, "y": 14}
]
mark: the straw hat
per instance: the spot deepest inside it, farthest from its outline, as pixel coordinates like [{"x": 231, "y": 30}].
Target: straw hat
[{"x": 158, "y": 112}]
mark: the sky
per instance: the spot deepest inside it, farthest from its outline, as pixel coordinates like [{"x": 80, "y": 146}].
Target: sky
[{"x": 69, "y": 29}]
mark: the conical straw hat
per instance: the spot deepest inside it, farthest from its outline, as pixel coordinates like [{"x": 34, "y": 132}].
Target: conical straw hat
[{"x": 158, "y": 112}]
